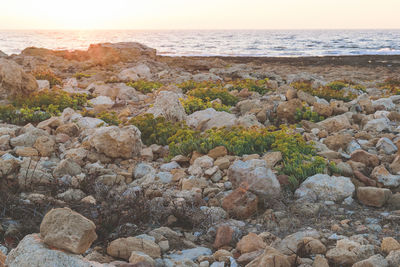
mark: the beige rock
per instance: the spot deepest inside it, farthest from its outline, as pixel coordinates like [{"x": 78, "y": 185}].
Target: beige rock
[
  {"x": 70, "y": 129},
  {"x": 117, "y": 142},
  {"x": 14, "y": 81},
  {"x": 45, "y": 145},
  {"x": 250, "y": 243},
  {"x": 217, "y": 152},
  {"x": 311, "y": 246},
  {"x": 373, "y": 261},
  {"x": 287, "y": 110},
  {"x": 341, "y": 256},
  {"x": 323, "y": 109},
  {"x": 2, "y": 259},
  {"x": 389, "y": 244},
  {"x": 373, "y": 196},
  {"x": 26, "y": 151},
  {"x": 320, "y": 261},
  {"x": 335, "y": 124},
  {"x": 66, "y": 229},
  {"x": 395, "y": 165},
  {"x": 138, "y": 257},
  {"x": 337, "y": 141},
  {"x": 271, "y": 258},
  {"x": 222, "y": 163},
  {"x": 123, "y": 247},
  {"x": 364, "y": 157},
  {"x": 272, "y": 158}
]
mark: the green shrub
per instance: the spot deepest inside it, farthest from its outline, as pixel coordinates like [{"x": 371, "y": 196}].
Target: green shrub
[
  {"x": 193, "y": 104},
  {"x": 47, "y": 74},
  {"x": 22, "y": 116},
  {"x": 110, "y": 118},
  {"x": 299, "y": 158},
  {"x": 155, "y": 130},
  {"x": 392, "y": 85},
  {"x": 209, "y": 94},
  {"x": 190, "y": 85},
  {"x": 337, "y": 85},
  {"x": 325, "y": 92},
  {"x": 305, "y": 113},
  {"x": 259, "y": 86},
  {"x": 51, "y": 101},
  {"x": 145, "y": 86}
]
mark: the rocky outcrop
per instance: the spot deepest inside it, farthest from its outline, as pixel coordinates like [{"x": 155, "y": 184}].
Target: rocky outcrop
[
  {"x": 167, "y": 104},
  {"x": 14, "y": 81}
]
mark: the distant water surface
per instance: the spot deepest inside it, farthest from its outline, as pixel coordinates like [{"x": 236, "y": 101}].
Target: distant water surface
[{"x": 277, "y": 43}]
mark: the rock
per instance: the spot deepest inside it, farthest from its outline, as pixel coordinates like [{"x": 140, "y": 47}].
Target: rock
[
  {"x": 310, "y": 246},
  {"x": 256, "y": 177},
  {"x": 272, "y": 158},
  {"x": 335, "y": 124},
  {"x": 271, "y": 258},
  {"x": 200, "y": 165},
  {"x": 240, "y": 203},
  {"x": 383, "y": 176},
  {"x": 45, "y": 146},
  {"x": 89, "y": 123},
  {"x": 365, "y": 158},
  {"x": 209, "y": 118},
  {"x": 72, "y": 195},
  {"x": 123, "y": 247},
  {"x": 287, "y": 110},
  {"x": 394, "y": 258},
  {"x": 191, "y": 254},
  {"x": 2, "y": 259},
  {"x": 217, "y": 152},
  {"x": 386, "y": 145},
  {"x": 250, "y": 243},
  {"x": 290, "y": 243},
  {"x": 117, "y": 142},
  {"x": 341, "y": 256},
  {"x": 22, "y": 151},
  {"x": 320, "y": 261},
  {"x": 31, "y": 251},
  {"x": 291, "y": 93},
  {"x": 323, "y": 109},
  {"x": 43, "y": 85},
  {"x": 141, "y": 71},
  {"x": 14, "y": 81},
  {"x": 167, "y": 104},
  {"x": 373, "y": 196},
  {"x": 306, "y": 97},
  {"x": 65, "y": 229},
  {"x": 377, "y": 125},
  {"x": 224, "y": 236},
  {"x": 111, "y": 53},
  {"x": 325, "y": 187},
  {"x": 374, "y": 261},
  {"x": 138, "y": 257},
  {"x": 2, "y": 54},
  {"x": 67, "y": 167},
  {"x": 395, "y": 165},
  {"x": 101, "y": 103},
  {"x": 337, "y": 141},
  {"x": 28, "y": 137},
  {"x": 364, "y": 179},
  {"x": 389, "y": 244}
]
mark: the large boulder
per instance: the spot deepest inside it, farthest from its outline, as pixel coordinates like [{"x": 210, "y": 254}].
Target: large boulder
[
  {"x": 287, "y": 110},
  {"x": 209, "y": 118},
  {"x": 66, "y": 229},
  {"x": 373, "y": 196},
  {"x": 255, "y": 176},
  {"x": 167, "y": 104},
  {"x": 111, "y": 53},
  {"x": 325, "y": 187},
  {"x": 14, "y": 81},
  {"x": 32, "y": 251},
  {"x": 336, "y": 123},
  {"x": 117, "y": 142}
]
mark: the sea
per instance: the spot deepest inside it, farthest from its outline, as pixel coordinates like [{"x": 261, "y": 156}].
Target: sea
[{"x": 256, "y": 43}]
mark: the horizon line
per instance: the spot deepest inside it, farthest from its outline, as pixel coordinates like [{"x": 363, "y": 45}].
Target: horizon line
[{"x": 204, "y": 29}]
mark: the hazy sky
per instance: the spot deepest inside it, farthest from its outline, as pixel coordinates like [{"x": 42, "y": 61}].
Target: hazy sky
[{"x": 200, "y": 14}]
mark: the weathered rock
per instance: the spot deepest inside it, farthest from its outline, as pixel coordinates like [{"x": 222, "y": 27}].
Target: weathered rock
[
  {"x": 123, "y": 247},
  {"x": 224, "y": 236},
  {"x": 386, "y": 145},
  {"x": 111, "y": 53},
  {"x": 219, "y": 151},
  {"x": 323, "y": 109},
  {"x": 14, "y": 81},
  {"x": 335, "y": 124},
  {"x": 363, "y": 156},
  {"x": 32, "y": 251},
  {"x": 256, "y": 177},
  {"x": 140, "y": 71},
  {"x": 395, "y": 165},
  {"x": 65, "y": 229},
  {"x": 374, "y": 261},
  {"x": 383, "y": 176},
  {"x": 389, "y": 244},
  {"x": 287, "y": 110},
  {"x": 394, "y": 258},
  {"x": 271, "y": 258},
  {"x": 101, "y": 103},
  {"x": 117, "y": 142},
  {"x": 67, "y": 166},
  {"x": 138, "y": 257},
  {"x": 337, "y": 141},
  {"x": 250, "y": 243},
  {"x": 325, "y": 187},
  {"x": 240, "y": 203},
  {"x": 209, "y": 118},
  {"x": 373, "y": 196},
  {"x": 377, "y": 125},
  {"x": 167, "y": 104},
  {"x": 290, "y": 243},
  {"x": 45, "y": 145}
]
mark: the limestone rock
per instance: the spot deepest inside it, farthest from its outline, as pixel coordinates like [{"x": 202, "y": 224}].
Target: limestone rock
[
  {"x": 65, "y": 229},
  {"x": 123, "y": 247},
  {"x": 167, "y": 104},
  {"x": 117, "y": 142},
  {"x": 373, "y": 196},
  {"x": 209, "y": 118}
]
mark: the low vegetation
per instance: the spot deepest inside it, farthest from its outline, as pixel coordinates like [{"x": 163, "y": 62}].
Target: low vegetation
[
  {"x": 193, "y": 104},
  {"x": 47, "y": 74},
  {"x": 331, "y": 91},
  {"x": 144, "y": 86},
  {"x": 305, "y": 113}
]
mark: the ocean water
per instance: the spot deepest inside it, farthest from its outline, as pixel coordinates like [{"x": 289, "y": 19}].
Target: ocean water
[{"x": 293, "y": 43}]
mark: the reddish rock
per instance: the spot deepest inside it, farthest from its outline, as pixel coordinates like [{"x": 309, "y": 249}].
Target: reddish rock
[
  {"x": 240, "y": 203},
  {"x": 363, "y": 156},
  {"x": 224, "y": 236},
  {"x": 217, "y": 152},
  {"x": 323, "y": 109},
  {"x": 250, "y": 243},
  {"x": 364, "y": 179},
  {"x": 283, "y": 179}
]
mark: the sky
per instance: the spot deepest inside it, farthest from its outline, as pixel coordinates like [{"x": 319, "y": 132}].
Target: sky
[{"x": 199, "y": 14}]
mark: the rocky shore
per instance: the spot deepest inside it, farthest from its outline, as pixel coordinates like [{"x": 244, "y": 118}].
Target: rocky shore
[{"x": 116, "y": 156}]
